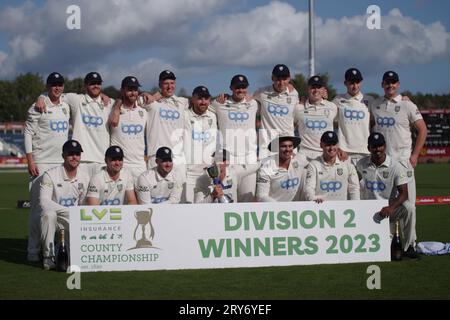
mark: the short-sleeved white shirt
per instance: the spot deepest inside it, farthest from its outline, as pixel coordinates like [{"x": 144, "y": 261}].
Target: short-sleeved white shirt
[
  {"x": 278, "y": 184},
  {"x": 338, "y": 181},
  {"x": 313, "y": 121},
  {"x": 237, "y": 128},
  {"x": 151, "y": 187},
  {"x": 108, "y": 191},
  {"x": 58, "y": 188},
  {"x": 45, "y": 133},
  {"x": 200, "y": 138},
  {"x": 381, "y": 182},
  {"x": 393, "y": 118},
  {"x": 89, "y": 118},
  {"x": 277, "y": 111},
  {"x": 353, "y": 122},
  {"x": 165, "y": 126},
  {"x": 130, "y": 135}
]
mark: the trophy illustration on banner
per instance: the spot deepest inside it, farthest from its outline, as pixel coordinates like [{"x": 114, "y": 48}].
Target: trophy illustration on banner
[
  {"x": 214, "y": 173},
  {"x": 144, "y": 218}
]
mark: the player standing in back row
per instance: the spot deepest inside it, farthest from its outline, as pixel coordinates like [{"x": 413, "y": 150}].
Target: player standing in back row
[{"x": 393, "y": 118}]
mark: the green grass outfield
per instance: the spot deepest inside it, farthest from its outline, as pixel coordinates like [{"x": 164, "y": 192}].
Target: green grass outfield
[{"x": 428, "y": 278}]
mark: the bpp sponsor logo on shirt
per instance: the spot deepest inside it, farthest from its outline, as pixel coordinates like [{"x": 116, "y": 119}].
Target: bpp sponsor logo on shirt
[
  {"x": 375, "y": 186},
  {"x": 131, "y": 129},
  {"x": 237, "y": 116},
  {"x": 318, "y": 125},
  {"x": 67, "y": 202},
  {"x": 91, "y": 121},
  {"x": 168, "y": 114},
  {"x": 277, "y": 110},
  {"x": 59, "y": 126},
  {"x": 201, "y": 136},
  {"x": 290, "y": 183},
  {"x": 159, "y": 199},
  {"x": 110, "y": 202},
  {"x": 353, "y": 114},
  {"x": 385, "y": 122},
  {"x": 330, "y": 186}
]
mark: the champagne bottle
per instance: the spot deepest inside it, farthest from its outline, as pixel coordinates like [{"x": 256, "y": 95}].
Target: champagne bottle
[
  {"x": 396, "y": 245},
  {"x": 62, "y": 258}
]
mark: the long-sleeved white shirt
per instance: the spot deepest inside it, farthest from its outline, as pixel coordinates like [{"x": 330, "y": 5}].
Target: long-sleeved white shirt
[
  {"x": 109, "y": 191},
  {"x": 58, "y": 191},
  {"x": 151, "y": 187},
  {"x": 338, "y": 181},
  {"x": 45, "y": 133},
  {"x": 89, "y": 118},
  {"x": 278, "y": 184}
]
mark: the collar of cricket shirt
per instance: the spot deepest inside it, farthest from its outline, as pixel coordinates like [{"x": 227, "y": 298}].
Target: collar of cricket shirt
[{"x": 359, "y": 97}]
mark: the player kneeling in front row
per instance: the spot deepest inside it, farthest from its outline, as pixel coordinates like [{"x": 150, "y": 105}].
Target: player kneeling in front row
[
  {"x": 383, "y": 177},
  {"x": 329, "y": 178},
  {"x": 62, "y": 187},
  {"x": 112, "y": 185},
  {"x": 161, "y": 183},
  {"x": 281, "y": 176}
]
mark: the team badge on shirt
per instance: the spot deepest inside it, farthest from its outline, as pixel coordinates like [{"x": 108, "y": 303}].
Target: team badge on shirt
[
  {"x": 141, "y": 113},
  {"x": 119, "y": 187},
  {"x": 210, "y": 121},
  {"x": 340, "y": 171},
  {"x": 397, "y": 108},
  {"x": 385, "y": 174},
  {"x": 409, "y": 174},
  {"x": 64, "y": 111},
  {"x": 289, "y": 100},
  {"x": 80, "y": 186},
  {"x": 296, "y": 165},
  {"x": 170, "y": 185}
]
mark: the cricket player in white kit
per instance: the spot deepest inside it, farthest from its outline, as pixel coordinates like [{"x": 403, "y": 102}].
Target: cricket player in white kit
[
  {"x": 130, "y": 132},
  {"x": 282, "y": 175},
  {"x": 200, "y": 138},
  {"x": 277, "y": 104},
  {"x": 161, "y": 184},
  {"x": 236, "y": 119},
  {"x": 328, "y": 178},
  {"x": 61, "y": 187},
  {"x": 113, "y": 185},
  {"x": 44, "y": 135},
  {"x": 393, "y": 118},
  {"x": 383, "y": 177},
  {"x": 89, "y": 113},
  {"x": 353, "y": 117},
  {"x": 224, "y": 188},
  {"x": 314, "y": 117}
]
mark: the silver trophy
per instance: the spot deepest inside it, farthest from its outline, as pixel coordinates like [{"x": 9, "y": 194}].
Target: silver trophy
[{"x": 214, "y": 173}]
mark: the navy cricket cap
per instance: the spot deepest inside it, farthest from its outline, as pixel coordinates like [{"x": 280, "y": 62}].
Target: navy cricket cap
[
  {"x": 275, "y": 143},
  {"x": 55, "y": 78},
  {"x": 376, "y": 139},
  {"x": 201, "y": 92},
  {"x": 93, "y": 77},
  {"x": 239, "y": 81},
  {"x": 390, "y": 76},
  {"x": 329, "y": 137},
  {"x": 281, "y": 71},
  {"x": 316, "y": 81},
  {"x": 130, "y": 81},
  {"x": 164, "y": 153},
  {"x": 353, "y": 75},
  {"x": 72, "y": 146},
  {"x": 167, "y": 74},
  {"x": 114, "y": 152}
]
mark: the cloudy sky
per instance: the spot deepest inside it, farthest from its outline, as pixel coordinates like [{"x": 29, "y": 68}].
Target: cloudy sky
[{"x": 208, "y": 41}]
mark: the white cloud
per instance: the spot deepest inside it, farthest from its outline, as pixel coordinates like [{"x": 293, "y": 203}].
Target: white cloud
[{"x": 278, "y": 33}]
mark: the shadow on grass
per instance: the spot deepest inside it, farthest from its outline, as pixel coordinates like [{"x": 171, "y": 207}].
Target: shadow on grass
[{"x": 15, "y": 251}]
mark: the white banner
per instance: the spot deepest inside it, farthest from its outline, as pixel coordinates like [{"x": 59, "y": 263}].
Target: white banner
[{"x": 185, "y": 236}]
